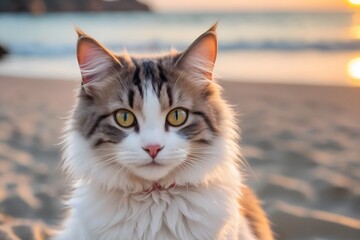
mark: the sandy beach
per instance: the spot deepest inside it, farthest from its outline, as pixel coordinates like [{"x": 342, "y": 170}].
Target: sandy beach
[{"x": 302, "y": 145}]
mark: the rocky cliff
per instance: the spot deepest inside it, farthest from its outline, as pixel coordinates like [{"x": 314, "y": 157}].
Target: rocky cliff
[{"x": 43, "y": 6}]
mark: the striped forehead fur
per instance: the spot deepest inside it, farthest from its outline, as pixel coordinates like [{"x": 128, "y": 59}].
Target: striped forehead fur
[{"x": 125, "y": 83}]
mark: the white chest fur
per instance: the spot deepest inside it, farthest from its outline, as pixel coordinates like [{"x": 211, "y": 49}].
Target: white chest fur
[{"x": 179, "y": 213}]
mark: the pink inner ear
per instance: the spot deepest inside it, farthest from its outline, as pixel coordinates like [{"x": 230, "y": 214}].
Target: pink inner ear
[
  {"x": 85, "y": 52},
  {"x": 84, "y": 56},
  {"x": 208, "y": 48},
  {"x": 201, "y": 55}
]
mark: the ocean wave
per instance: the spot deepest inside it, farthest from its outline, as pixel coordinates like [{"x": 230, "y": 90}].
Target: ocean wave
[{"x": 33, "y": 49}]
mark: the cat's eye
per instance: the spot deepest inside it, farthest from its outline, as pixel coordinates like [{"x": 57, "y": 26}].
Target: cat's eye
[
  {"x": 125, "y": 118},
  {"x": 177, "y": 117}
]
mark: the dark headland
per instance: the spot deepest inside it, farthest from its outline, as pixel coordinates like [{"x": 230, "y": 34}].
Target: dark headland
[{"x": 44, "y": 6}]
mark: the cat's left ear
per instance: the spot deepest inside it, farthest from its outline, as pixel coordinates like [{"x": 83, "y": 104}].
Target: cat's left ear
[
  {"x": 200, "y": 57},
  {"x": 94, "y": 59}
]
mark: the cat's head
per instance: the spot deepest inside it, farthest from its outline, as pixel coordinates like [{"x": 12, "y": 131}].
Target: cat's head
[{"x": 149, "y": 119}]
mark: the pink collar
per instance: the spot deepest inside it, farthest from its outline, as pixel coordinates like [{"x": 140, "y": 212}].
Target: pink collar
[{"x": 158, "y": 187}]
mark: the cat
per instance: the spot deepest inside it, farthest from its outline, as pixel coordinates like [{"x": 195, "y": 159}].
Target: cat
[{"x": 152, "y": 147}]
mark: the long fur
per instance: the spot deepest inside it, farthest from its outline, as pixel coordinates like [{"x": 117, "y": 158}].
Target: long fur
[
  {"x": 115, "y": 207},
  {"x": 199, "y": 177}
]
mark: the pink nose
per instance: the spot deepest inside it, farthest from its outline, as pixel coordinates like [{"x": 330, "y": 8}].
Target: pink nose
[{"x": 153, "y": 150}]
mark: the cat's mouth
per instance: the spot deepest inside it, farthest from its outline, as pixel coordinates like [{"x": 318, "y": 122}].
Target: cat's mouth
[{"x": 152, "y": 164}]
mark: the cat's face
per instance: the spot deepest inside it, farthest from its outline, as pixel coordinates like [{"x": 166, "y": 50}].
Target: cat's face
[{"x": 154, "y": 116}]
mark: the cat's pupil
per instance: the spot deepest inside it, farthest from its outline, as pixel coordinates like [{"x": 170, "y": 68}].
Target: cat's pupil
[
  {"x": 176, "y": 115},
  {"x": 125, "y": 117}
]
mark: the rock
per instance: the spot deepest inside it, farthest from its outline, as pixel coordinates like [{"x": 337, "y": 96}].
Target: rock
[
  {"x": 3, "y": 52},
  {"x": 42, "y": 6}
]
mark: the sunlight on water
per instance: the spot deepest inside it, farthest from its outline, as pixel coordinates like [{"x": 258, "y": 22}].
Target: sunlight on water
[
  {"x": 318, "y": 54},
  {"x": 353, "y": 69},
  {"x": 355, "y": 28},
  {"x": 355, "y": 31}
]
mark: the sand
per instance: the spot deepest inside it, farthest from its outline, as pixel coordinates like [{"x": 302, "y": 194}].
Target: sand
[{"x": 301, "y": 142}]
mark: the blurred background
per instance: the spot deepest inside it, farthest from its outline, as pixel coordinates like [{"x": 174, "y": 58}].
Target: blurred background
[
  {"x": 290, "y": 68},
  {"x": 312, "y": 42}
]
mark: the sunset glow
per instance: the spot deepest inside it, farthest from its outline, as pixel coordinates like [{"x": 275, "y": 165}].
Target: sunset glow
[
  {"x": 355, "y": 32},
  {"x": 248, "y": 5},
  {"x": 354, "y": 68},
  {"x": 354, "y": 2}
]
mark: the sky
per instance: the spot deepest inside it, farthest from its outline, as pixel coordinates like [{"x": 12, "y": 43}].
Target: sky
[{"x": 250, "y": 5}]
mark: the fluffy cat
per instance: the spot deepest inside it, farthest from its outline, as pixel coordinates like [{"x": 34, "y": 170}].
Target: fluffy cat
[{"x": 153, "y": 149}]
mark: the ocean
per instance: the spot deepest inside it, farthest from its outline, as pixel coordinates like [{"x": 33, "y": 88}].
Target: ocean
[{"x": 298, "y": 48}]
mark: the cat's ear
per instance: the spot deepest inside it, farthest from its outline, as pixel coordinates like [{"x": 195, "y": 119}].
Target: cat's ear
[
  {"x": 94, "y": 59},
  {"x": 200, "y": 57}
]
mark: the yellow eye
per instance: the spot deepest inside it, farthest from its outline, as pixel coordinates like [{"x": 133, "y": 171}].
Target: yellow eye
[
  {"x": 177, "y": 117},
  {"x": 125, "y": 118}
]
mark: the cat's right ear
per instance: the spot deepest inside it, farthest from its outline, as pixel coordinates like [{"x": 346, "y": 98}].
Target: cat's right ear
[
  {"x": 94, "y": 59},
  {"x": 200, "y": 57}
]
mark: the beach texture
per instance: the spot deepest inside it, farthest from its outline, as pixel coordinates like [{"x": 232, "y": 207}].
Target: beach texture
[{"x": 301, "y": 143}]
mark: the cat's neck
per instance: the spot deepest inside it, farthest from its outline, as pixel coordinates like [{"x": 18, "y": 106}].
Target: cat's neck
[
  {"x": 144, "y": 187},
  {"x": 158, "y": 187},
  {"x": 136, "y": 185}
]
